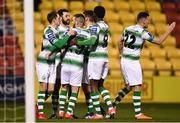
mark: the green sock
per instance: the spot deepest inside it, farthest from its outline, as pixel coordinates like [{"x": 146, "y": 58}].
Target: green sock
[
  {"x": 47, "y": 95},
  {"x": 72, "y": 102},
  {"x": 89, "y": 103},
  {"x": 62, "y": 100},
  {"x": 137, "y": 102},
  {"x": 96, "y": 103},
  {"x": 41, "y": 96},
  {"x": 105, "y": 95}
]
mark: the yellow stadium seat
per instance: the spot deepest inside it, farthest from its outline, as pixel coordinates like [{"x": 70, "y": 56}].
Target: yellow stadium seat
[
  {"x": 136, "y": 5},
  {"x": 46, "y": 6},
  {"x": 37, "y": 16},
  {"x": 38, "y": 27},
  {"x": 158, "y": 53},
  {"x": 19, "y": 26},
  {"x": 160, "y": 28},
  {"x": 18, "y": 16},
  {"x": 164, "y": 67},
  {"x": 115, "y": 73},
  {"x": 176, "y": 66},
  {"x": 145, "y": 53},
  {"x": 152, "y": 46},
  {"x": 127, "y": 17},
  {"x": 108, "y": 5},
  {"x": 114, "y": 63},
  {"x": 152, "y": 6},
  {"x": 158, "y": 17},
  {"x": 44, "y": 15},
  {"x": 148, "y": 67},
  {"x": 151, "y": 29},
  {"x": 170, "y": 41},
  {"x": 58, "y": 4},
  {"x": 115, "y": 28},
  {"x": 111, "y": 16},
  {"x": 38, "y": 37},
  {"x": 126, "y": 24},
  {"x": 113, "y": 53},
  {"x": 115, "y": 38},
  {"x": 76, "y": 5},
  {"x": 173, "y": 53},
  {"x": 90, "y": 5},
  {"x": 21, "y": 38},
  {"x": 76, "y": 12},
  {"x": 121, "y": 5}
]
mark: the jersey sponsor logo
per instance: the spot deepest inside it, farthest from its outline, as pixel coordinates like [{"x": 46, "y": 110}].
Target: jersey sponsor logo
[
  {"x": 93, "y": 31},
  {"x": 51, "y": 37}
]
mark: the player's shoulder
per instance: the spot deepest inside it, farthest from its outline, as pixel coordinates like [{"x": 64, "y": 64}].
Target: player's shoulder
[
  {"x": 48, "y": 29},
  {"x": 102, "y": 24}
]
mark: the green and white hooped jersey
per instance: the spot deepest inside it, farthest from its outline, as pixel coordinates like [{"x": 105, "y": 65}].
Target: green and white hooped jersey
[
  {"x": 100, "y": 50},
  {"x": 134, "y": 37},
  {"x": 74, "y": 55},
  {"x": 50, "y": 36},
  {"x": 62, "y": 31}
]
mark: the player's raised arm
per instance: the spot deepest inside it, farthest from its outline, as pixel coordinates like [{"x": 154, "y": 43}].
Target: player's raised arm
[{"x": 162, "y": 38}]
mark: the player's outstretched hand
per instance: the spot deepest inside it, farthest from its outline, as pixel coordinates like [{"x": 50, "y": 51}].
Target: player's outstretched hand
[
  {"x": 71, "y": 32},
  {"x": 171, "y": 26}
]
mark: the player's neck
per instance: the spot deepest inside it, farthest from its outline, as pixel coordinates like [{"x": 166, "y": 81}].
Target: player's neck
[
  {"x": 141, "y": 24},
  {"x": 54, "y": 25}
]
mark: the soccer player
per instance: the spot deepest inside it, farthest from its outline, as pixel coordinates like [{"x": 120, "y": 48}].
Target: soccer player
[
  {"x": 45, "y": 68},
  {"x": 63, "y": 28},
  {"x": 98, "y": 64},
  {"x": 130, "y": 46},
  {"x": 72, "y": 67}
]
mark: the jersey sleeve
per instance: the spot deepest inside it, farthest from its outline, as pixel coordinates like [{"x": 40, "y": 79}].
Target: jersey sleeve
[
  {"x": 148, "y": 36},
  {"x": 50, "y": 36}
]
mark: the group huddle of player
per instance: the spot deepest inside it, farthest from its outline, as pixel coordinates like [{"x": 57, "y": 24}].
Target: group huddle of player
[{"x": 77, "y": 56}]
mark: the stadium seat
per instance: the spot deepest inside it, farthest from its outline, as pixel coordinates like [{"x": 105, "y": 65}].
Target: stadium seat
[
  {"x": 19, "y": 25},
  {"x": 60, "y": 4},
  {"x": 168, "y": 6},
  {"x": 121, "y": 5},
  {"x": 38, "y": 27},
  {"x": 151, "y": 29},
  {"x": 172, "y": 16},
  {"x": 111, "y": 16},
  {"x": 108, "y": 5},
  {"x": 113, "y": 53},
  {"x": 44, "y": 15},
  {"x": 177, "y": 29},
  {"x": 177, "y": 40},
  {"x": 148, "y": 67},
  {"x": 136, "y": 5},
  {"x": 3, "y": 67},
  {"x": 158, "y": 54},
  {"x": 163, "y": 67},
  {"x": 37, "y": 16},
  {"x": 173, "y": 53},
  {"x": 170, "y": 42},
  {"x": 152, "y": 46},
  {"x": 176, "y": 67},
  {"x": 19, "y": 16},
  {"x": 90, "y": 5},
  {"x": 115, "y": 28},
  {"x": 115, "y": 73},
  {"x": 115, "y": 38},
  {"x": 126, "y": 17},
  {"x": 152, "y": 6},
  {"x": 126, "y": 24},
  {"x": 76, "y": 5},
  {"x": 160, "y": 28},
  {"x": 158, "y": 17},
  {"x": 10, "y": 41},
  {"x": 76, "y": 12},
  {"x": 145, "y": 54},
  {"x": 114, "y": 64},
  {"x": 2, "y": 52},
  {"x": 48, "y": 6}
]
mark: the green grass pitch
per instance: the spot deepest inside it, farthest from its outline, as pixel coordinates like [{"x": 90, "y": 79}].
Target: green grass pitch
[{"x": 125, "y": 113}]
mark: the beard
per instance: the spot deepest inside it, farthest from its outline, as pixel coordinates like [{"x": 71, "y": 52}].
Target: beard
[{"x": 67, "y": 22}]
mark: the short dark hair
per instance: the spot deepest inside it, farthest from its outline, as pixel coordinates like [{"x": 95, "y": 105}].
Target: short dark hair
[
  {"x": 99, "y": 11},
  {"x": 142, "y": 15},
  {"x": 60, "y": 11},
  {"x": 80, "y": 17},
  {"x": 52, "y": 15},
  {"x": 89, "y": 14}
]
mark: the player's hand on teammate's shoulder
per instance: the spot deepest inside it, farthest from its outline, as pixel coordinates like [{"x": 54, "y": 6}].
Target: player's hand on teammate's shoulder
[
  {"x": 171, "y": 26},
  {"x": 47, "y": 55},
  {"x": 72, "y": 32}
]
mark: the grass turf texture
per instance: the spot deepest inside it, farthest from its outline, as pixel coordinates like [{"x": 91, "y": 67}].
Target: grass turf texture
[{"x": 125, "y": 113}]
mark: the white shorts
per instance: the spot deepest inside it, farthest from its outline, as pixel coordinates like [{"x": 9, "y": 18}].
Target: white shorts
[
  {"x": 97, "y": 70},
  {"x": 131, "y": 71},
  {"x": 85, "y": 74},
  {"x": 71, "y": 75},
  {"x": 46, "y": 72}
]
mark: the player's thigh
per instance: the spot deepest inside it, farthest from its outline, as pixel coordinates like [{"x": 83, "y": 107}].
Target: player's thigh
[
  {"x": 105, "y": 70},
  {"x": 52, "y": 74},
  {"x": 76, "y": 76},
  {"x": 65, "y": 74},
  {"x": 95, "y": 70},
  {"x": 132, "y": 72},
  {"x": 42, "y": 72}
]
